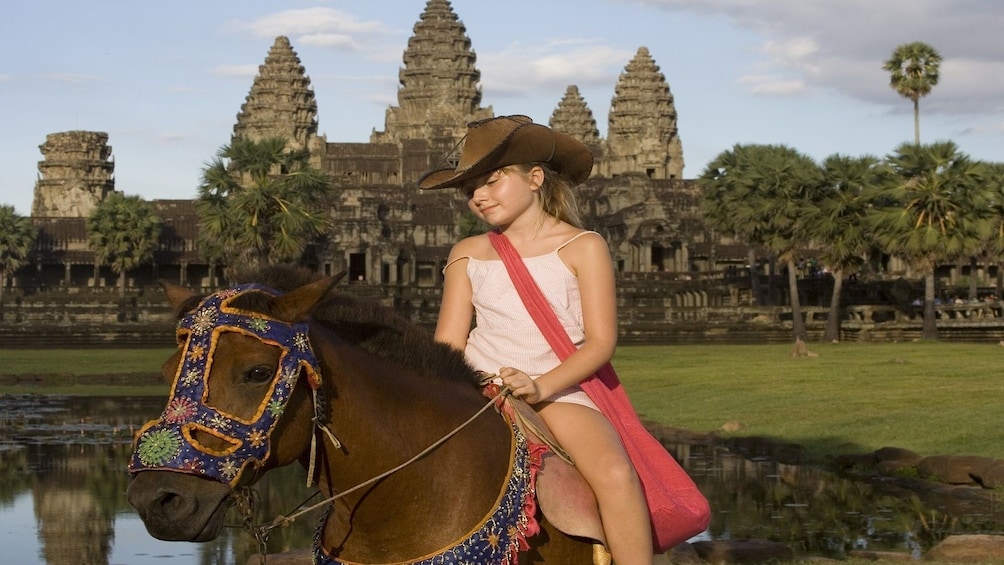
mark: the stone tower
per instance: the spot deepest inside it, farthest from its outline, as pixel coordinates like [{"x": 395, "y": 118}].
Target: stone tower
[
  {"x": 76, "y": 173},
  {"x": 439, "y": 90},
  {"x": 642, "y": 134},
  {"x": 573, "y": 116},
  {"x": 281, "y": 102}
]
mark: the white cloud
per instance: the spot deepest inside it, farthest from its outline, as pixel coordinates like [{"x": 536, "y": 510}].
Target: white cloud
[
  {"x": 330, "y": 40},
  {"x": 71, "y": 78},
  {"x": 772, "y": 86},
  {"x": 172, "y": 137},
  {"x": 523, "y": 68},
  {"x": 235, "y": 71},
  {"x": 841, "y": 46},
  {"x": 320, "y": 27}
]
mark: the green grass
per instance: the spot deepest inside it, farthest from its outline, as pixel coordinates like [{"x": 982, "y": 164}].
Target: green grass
[
  {"x": 930, "y": 397},
  {"x": 81, "y": 361}
]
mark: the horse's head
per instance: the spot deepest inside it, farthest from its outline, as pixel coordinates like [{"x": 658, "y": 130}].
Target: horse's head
[{"x": 242, "y": 352}]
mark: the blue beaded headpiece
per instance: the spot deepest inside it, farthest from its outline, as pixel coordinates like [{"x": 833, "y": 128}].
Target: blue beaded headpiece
[{"x": 169, "y": 444}]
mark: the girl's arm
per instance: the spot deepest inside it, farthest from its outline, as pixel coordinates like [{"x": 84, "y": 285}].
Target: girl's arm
[{"x": 456, "y": 312}]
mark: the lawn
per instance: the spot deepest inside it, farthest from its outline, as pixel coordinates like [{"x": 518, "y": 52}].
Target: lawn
[{"x": 931, "y": 397}]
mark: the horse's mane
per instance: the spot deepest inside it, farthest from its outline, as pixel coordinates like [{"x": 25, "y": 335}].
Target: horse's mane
[{"x": 371, "y": 326}]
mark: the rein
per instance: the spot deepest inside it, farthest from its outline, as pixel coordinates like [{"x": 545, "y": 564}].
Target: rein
[{"x": 261, "y": 532}]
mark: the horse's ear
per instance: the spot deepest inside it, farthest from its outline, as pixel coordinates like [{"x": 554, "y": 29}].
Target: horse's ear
[
  {"x": 296, "y": 305},
  {"x": 176, "y": 295}
]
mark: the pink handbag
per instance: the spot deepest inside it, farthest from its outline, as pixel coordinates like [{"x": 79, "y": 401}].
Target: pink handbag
[{"x": 677, "y": 508}]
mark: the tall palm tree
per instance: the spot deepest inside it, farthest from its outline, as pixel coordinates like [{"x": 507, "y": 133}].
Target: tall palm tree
[
  {"x": 994, "y": 246},
  {"x": 123, "y": 232},
  {"x": 17, "y": 236},
  {"x": 260, "y": 202},
  {"x": 840, "y": 227},
  {"x": 913, "y": 71},
  {"x": 763, "y": 195},
  {"x": 935, "y": 208}
]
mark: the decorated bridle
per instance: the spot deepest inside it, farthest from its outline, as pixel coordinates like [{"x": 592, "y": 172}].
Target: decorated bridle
[{"x": 170, "y": 443}]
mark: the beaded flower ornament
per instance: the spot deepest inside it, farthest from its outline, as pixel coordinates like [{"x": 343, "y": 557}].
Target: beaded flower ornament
[{"x": 169, "y": 443}]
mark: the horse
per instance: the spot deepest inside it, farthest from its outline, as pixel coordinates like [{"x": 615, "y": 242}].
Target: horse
[{"x": 282, "y": 370}]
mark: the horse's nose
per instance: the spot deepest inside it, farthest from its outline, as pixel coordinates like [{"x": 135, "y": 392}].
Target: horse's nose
[{"x": 160, "y": 505}]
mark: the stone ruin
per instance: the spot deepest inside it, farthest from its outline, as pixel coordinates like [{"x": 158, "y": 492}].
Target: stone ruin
[{"x": 387, "y": 232}]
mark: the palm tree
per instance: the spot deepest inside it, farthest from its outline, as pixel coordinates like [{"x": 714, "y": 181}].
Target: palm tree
[
  {"x": 935, "y": 208},
  {"x": 994, "y": 245},
  {"x": 123, "y": 232},
  {"x": 260, "y": 202},
  {"x": 840, "y": 228},
  {"x": 17, "y": 236},
  {"x": 914, "y": 69},
  {"x": 763, "y": 195}
]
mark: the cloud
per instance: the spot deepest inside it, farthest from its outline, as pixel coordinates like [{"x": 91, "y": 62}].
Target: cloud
[
  {"x": 236, "y": 71},
  {"x": 522, "y": 68},
  {"x": 172, "y": 137},
  {"x": 70, "y": 78},
  {"x": 770, "y": 86},
  {"x": 841, "y": 46},
  {"x": 4, "y": 78},
  {"x": 324, "y": 27},
  {"x": 337, "y": 41}
]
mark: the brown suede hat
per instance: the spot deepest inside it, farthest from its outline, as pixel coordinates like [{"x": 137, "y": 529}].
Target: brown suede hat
[{"x": 512, "y": 140}]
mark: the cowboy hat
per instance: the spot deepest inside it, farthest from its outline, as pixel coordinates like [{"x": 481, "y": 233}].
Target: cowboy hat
[{"x": 511, "y": 140}]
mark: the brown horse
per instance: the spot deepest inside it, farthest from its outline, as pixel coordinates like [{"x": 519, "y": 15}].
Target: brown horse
[{"x": 251, "y": 394}]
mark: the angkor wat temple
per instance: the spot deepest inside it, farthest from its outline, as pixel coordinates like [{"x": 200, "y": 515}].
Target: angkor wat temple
[
  {"x": 393, "y": 239},
  {"x": 386, "y": 231}
]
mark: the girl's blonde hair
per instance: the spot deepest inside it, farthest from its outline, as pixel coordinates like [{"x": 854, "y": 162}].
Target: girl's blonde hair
[{"x": 556, "y": 196}]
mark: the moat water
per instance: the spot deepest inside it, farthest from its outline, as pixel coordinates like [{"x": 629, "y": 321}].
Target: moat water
[{"x": 62, "y": 497}]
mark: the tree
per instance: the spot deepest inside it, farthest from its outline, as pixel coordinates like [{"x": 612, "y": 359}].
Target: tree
[
  {"x": 123, "y": 232},
  {"x": 17, "y": 236},
  {"x": 840, "y": 227},
  {"x": 763, "y": 195},
  {"x": 934, "y": 208},
  {"x": 260, "y": 202},
  {"x": 994, "y": 245},
  {"x": 913, "y": 71}
]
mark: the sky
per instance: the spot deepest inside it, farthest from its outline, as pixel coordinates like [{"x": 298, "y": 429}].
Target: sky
[{"x": 166, "y": 80}]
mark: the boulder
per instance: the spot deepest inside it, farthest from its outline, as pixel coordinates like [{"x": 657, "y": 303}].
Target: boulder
[
  {"x": 954, "y": 469},
  {"x": 743, "y": 551},
  {"x": 968, "y": 548}
]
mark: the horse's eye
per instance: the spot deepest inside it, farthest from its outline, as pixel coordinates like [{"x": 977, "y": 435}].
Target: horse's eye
[{"x": 259, "y": 374}]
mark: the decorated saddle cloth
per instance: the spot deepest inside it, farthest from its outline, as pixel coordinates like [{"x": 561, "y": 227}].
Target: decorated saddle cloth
[{"x": 503, "y": 532}]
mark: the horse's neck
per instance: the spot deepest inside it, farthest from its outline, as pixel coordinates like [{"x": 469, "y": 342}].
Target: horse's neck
[{"x": 386, "y": 415}]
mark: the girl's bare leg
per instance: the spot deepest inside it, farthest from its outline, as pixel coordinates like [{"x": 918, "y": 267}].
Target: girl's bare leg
[{"x": 599, "y": 455}]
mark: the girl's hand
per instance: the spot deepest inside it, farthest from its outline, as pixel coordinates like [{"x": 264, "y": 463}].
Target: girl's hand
[{"x": 521, "y": 385}]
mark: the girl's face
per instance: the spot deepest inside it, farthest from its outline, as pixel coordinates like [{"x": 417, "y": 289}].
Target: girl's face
[{"x": 500, "y": 197}]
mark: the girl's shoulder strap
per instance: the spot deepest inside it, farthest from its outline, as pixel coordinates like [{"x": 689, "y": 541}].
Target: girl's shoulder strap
[
  {"x": 455, "y": 259},
  {"x": 576, "y": 236}
]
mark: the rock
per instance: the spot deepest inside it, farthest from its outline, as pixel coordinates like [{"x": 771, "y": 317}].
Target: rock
[
  {"x": 743, "y": 551},
  {"x": 880, "y": 555},
  {"x": 683, "y": 554},
  {"x": 954, "y": 469},
  {"x": 968, "y": 548},
  {"x": 990, "y": 476},
  {"x": 295, "y": 557},
  {"x": 897, "y": 454}
]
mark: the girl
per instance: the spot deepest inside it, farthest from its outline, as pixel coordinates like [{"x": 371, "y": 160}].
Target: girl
[{"x": 517, "y": 177}]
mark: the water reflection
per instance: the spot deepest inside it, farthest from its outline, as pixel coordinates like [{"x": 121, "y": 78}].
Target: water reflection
[{"x": 63, "y": 482}]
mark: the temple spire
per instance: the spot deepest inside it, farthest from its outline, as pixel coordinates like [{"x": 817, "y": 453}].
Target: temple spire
[
  {"x": 439, "y": 89},
  {"x": 642, "y": 134},
  {"x": 281, "y": 101},
  {"x": 573, "y": 116}
]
